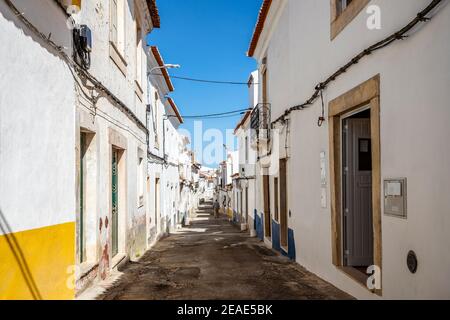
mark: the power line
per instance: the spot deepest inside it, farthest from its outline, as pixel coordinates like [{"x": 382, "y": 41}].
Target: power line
[
  {"x": 207, "y": 81},
  {"x": 399, "y": 35},
  {"x": 218, "y": 117},
  {"x": 240, "y": 111},
  {"x": 210, "y": 117},
  {"x": 73, "y": 65}
]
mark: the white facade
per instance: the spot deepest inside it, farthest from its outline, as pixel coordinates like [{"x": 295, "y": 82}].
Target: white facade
[
  {"x": 73, "y": 120},
  {"x": 37, "y": 149},
  {"x": 245, "y": 183},
  {"x": 414, "y": 81}
]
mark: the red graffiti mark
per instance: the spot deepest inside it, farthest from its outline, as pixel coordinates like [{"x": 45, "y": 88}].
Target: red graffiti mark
[
  {"x": 105, "y": 262},
  {"x": 106, "y": 222},
  {"x": 100, "y": 224}
]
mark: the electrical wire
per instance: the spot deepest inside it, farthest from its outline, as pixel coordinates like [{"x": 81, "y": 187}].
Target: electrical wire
[
  {"x": 216, "y": 114},
  {"x": 218, "y": 117},
  {"x": 207, "y": 81},
  {"x": 82, "y": 73},
  {"x": 322, "y": 117},
  {"x": 399, "y": 35}
]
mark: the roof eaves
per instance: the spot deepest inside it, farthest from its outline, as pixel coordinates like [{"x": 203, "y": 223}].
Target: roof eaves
[
  {"x": 164, "y": 71},
  {"x": 175, "y": 109},
  {"x": 263, "y": 12},
  {"x": 154, "y": 13}
]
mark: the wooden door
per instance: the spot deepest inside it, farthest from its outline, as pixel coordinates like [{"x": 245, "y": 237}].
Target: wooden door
[{"x": 267, "y": 216}]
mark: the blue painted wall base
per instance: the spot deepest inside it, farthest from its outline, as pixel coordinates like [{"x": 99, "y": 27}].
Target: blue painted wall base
[
  {"x": 276, "y": 236},
  {"x": 276, "y": 245}
]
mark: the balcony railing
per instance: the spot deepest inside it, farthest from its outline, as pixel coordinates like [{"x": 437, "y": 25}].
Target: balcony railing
[{"x": 260, "y": 125}]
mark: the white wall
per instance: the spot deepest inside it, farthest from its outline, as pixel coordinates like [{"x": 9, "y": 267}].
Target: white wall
[
  {"x": 37, "y": 126},
  {"x": 415, "y": 77}
]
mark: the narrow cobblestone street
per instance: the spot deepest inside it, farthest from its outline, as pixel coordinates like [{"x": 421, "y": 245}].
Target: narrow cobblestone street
[{"x": 211, "y": 259}]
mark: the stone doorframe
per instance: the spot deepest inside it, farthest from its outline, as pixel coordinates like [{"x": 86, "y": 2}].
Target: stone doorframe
[{"x": 367, "y": 93}]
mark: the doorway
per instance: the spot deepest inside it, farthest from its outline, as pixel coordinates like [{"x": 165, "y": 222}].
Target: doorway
[
  {"x": 86, "y": 218},
  {"x": 246, "y": 205},
  {"x": 356, "y": 177},
  {"x": 82, "y": 197},
  {"x": 355, "y": 180},
  {"x": 241, "y": 205},
  {"x": 267, "y": 215},
  {"x": 283, "y": 205},
  {"x": 157, "y": 204},
  {"x": 115, "y": 201}
]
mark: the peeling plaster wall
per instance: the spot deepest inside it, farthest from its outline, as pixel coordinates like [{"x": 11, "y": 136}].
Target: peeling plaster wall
[{"x": 113, "y": 128}]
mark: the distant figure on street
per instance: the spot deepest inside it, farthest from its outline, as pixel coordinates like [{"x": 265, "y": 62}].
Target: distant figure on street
[{"x": 216, "y": 207}]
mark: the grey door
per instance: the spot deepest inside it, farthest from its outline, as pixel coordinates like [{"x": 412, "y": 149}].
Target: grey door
[{"x": 357, "y": 193}]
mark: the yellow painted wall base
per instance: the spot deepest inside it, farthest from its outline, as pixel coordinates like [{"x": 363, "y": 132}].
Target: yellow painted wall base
[{"x": 38, "y": 264}]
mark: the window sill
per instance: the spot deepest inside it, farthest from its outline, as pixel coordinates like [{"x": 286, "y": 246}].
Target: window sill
[{"x": 117, "y": 58}]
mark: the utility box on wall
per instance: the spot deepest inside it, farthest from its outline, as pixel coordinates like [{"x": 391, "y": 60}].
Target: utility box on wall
[{"x": 395, "y": 197}]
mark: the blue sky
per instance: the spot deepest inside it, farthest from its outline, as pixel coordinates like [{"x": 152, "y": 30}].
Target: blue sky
[{"x": 209, "y": 39}]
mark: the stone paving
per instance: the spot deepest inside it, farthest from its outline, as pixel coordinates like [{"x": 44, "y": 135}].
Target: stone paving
[{"x": 213, "y": 260}]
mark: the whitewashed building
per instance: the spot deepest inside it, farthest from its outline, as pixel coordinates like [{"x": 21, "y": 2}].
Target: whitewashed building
[
  {"x": 247, "y": 180},
  {"x": 80, "y": 119},
  {"x": 360, "y": 186},
  {"x": 163, "y": 119},
  {"x": 37, "y": 152}
]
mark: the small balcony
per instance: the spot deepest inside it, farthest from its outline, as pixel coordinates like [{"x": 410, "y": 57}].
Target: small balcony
[{"x": 260, "y": 124}]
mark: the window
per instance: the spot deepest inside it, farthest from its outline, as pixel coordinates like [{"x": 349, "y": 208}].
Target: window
[
  {"x": 118, "y": 25},
  {"x": 117, "y": 33},
  {"x": 114, "y": 22},
  {"x": 365, "y": 155},
  {"x": 343, "y": 12},
  {"x": 139, "y": 52},
  {"x": 341, "y": 5},
  {"x": 156, "y": 120}
]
